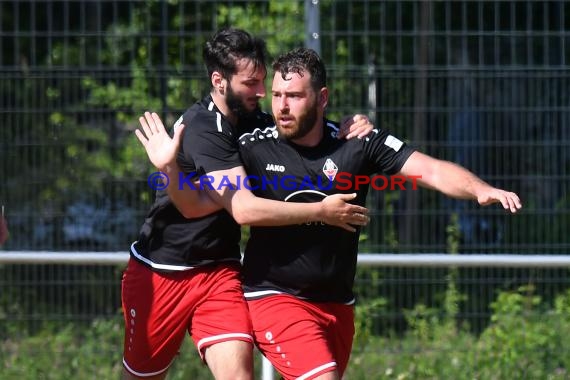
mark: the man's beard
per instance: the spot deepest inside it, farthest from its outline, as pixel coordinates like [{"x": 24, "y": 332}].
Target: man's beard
[
  {"x": 306, "y": 123},
  {"x": 236, "y": 105}
]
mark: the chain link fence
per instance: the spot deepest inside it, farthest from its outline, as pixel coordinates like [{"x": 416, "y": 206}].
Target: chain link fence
[{"x": 481, "y": 83}]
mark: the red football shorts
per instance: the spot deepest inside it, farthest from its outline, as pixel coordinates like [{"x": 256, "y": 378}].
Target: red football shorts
[
  {"x": 303, "y": 339},
  {"x": 159, "y": 308}
]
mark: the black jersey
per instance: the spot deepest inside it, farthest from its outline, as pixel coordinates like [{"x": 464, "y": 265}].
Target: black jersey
[
  {"x": 313, "y": 260},
  {"x": 167, "y": 240}
]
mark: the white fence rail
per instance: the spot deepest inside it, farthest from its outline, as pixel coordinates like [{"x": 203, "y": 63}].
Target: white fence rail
[
  {"x": 368, "y": 259},
  {"x": 364, "y": 259}
]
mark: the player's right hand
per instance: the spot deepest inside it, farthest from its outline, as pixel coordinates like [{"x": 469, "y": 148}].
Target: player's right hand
[{"x": 160, "y": 147}]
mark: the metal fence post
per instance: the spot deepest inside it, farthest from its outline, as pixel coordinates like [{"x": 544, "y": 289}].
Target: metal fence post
[
  {"x": 266, "y": 369},
  {"x": 312, "y": 31}
]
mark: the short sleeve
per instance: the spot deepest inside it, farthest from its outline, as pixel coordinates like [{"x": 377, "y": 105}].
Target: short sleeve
[
  {"x": 386, "y": 152},
  {"x": 210, "y": 142}
]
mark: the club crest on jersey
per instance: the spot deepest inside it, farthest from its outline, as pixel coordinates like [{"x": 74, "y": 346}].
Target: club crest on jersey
[
  {"x": 275, "y": 168},
  {"x": 330, "y": 169}
]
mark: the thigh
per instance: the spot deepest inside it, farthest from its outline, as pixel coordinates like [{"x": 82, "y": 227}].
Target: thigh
[
  {"x": 293, "y": 335},
  {"x": 230, "y": 360},
  {"x": 157, "y": 309},
  {"x": 341, "y": 333},
  {"x": 222, "y": 314}
]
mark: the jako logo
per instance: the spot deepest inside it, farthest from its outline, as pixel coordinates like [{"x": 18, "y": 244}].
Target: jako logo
[{"x": 275, "y": 168}]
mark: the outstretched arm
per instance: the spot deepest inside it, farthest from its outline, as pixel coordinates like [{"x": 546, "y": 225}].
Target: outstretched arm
[
  {"x": 161, "y": 150},
  {"x": 455, "y": 181}
]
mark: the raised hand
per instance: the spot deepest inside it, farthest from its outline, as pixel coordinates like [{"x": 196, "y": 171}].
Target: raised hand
[
  {"x": 338, "y": 212},
  {"x": 160, "y": 147}
]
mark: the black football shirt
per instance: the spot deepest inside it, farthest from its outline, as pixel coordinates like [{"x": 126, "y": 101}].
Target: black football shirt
[
  {"x": 170, "y": 242},
  {"x": 313, "y": 261}
]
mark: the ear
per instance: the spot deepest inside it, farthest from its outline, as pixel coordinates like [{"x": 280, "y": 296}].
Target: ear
[
  {"x": 217, "y": 80},
  {"x": 324, "y": 97}
]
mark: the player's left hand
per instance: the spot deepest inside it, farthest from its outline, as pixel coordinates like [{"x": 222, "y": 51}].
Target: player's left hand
[
  {"x": 355, "y": 126},
  {"x": 508, "y": 199}
]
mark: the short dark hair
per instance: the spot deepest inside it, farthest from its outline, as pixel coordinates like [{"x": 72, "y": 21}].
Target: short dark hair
[
  {"x": 228, "y": 46},
  {"x": 299, "y": 61}
]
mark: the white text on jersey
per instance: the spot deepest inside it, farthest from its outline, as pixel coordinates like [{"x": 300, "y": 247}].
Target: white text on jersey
[{"x": 275, "y": 168}]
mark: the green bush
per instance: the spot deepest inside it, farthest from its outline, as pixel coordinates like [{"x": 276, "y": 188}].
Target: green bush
[
  {"x": 526, "y": 339},
  {"x": 69, "y": 353}
]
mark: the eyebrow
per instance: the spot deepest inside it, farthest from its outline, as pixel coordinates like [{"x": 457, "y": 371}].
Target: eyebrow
[{"x": 289, "y": 93}]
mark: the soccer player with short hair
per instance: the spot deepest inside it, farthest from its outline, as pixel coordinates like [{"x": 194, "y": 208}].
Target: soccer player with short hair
[
  {"x": 298, "y": 280},
  {"x": 184, "y": 272}
]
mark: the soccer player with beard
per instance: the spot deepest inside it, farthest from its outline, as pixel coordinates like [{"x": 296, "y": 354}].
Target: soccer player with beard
[
  {"x": 298, "y": 280},
  {"x": 184, "y": 272}
]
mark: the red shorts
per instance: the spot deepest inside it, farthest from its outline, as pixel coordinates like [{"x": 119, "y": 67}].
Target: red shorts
[
  {"x": 303, "y": 339},
  {"x": 159, "y": 308}
]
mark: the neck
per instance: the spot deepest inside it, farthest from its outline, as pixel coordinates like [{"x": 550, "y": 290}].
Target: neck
[{"x": 220, "y": 102}]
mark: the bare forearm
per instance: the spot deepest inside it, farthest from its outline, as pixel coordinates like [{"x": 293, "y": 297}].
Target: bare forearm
[
  {"x": 333, "y": 210},
  {"x": 192, "y": 202},
  {"x": 456, "y": 181},
  {"x": 248, "y": 209}
]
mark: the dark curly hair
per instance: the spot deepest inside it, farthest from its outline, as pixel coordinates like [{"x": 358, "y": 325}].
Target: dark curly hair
[{"x": 300, "y": 61}]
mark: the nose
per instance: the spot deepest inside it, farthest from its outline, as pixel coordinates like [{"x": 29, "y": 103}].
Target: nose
[
  {"x": 260, "y": 91},
  {"x": 283, "y": 105}
]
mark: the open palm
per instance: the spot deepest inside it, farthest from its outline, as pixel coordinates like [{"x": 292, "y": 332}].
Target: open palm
[{"x": 160, "y": 147}]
